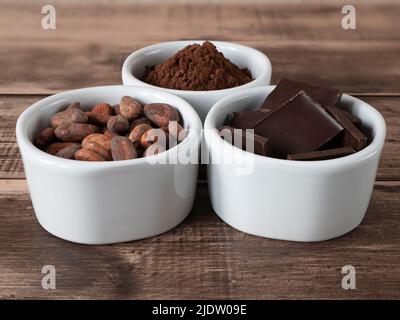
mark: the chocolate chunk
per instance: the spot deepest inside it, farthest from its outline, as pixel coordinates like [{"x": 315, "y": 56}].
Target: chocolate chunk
[
  {"x": 299, "y": 125},
  {"x": 354, "y": 120},
  {"x": 322, "y": 155},
  {"x": 232, "y": 135},
  {"x": 352, "y": 136},
  {"x": 246, "y": 119},
  {"x": 287, "y": 89}
]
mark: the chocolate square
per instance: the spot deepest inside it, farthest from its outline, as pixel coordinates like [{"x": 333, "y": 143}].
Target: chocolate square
[
  {"x": 261, "y": 144},
  {"x": 322, "y": 155},
  {"x": 246, "y": 119},
  {"x": 354, "y": 120},
  {"x": 352, "y": 136},
  {"x": 299, "y": 125},
  {"x": 287, "y": 89}
]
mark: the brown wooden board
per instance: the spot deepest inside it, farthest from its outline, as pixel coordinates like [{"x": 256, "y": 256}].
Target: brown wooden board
[
  {"x": 303, "y": 41},
  {"x": 356, "y": 67},
  {"x": 202, "y": 258},
  {"x": 132, "y": 21}
]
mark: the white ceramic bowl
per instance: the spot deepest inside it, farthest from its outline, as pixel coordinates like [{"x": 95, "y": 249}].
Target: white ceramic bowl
[
  {"x": 107, "y": 202},
  {"x": 290, "y": 200},
  {"x": 244, "y": 57}
]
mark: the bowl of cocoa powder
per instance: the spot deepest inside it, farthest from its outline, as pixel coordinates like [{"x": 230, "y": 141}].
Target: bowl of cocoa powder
[{"x": 201, "y": 72}]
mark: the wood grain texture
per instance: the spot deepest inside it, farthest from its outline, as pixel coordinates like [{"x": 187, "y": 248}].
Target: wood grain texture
[
  {"x": 113, "y": 22},
  {"x": 203, "y": 258},
  {"x": 332, "y": 63},
  {"x": 93, "y": 39},
  {"x": 11, "y": 107}
]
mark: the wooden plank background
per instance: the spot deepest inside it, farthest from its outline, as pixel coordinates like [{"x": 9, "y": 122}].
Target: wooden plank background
[{"x": 203, "y": 257}]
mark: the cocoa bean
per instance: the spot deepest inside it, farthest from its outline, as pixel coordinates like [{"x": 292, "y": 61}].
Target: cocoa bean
[
  {"x": 124, "y": 131},
  {"x": 57, "y": 146},
  {"x": 46, "y": 137},
  {"x": 122, "y": 149},
  {"x": 98, "y": 138},
  {"x": 103, "y": 108},
  {"x": 130, "y": 108},
  {"x": 118, "y": 124},
  {"x": 98, "y": 118},
  {"x": 138, "y": 121},
  {"x": 160, "y": 113},
  {"x": 69, "y": 151},
  {"x": 73, "y": 115},
  {"x": 74, "y": 132},
  {"x": 109, "y": 133},
  {"x": 95, "y": 147},
  {"x": 88, "y": 155},
  {"x": 137, "y": 133},
  {"x": 153, "y": 135}
]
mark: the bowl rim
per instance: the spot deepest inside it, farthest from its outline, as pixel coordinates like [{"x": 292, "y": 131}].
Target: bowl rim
[
  {"x": 213, "y": 138},
  {"x": 189, "y": 115},
  {"x": 127, "y": 75}
]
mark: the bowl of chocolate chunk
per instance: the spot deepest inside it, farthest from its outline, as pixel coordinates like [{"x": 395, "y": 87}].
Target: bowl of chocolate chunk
[
  {"x": 294, "y": 161},
  {"x": 201, "y": 72},
  {"x": 109, "y": 164}
]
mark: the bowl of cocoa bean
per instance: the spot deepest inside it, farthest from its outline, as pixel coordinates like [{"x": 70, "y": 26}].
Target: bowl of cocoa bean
[
  {"x": 199, "y": 71},
  {"x": 295, "y": 161},
  {"x": 110, "y": 164}
]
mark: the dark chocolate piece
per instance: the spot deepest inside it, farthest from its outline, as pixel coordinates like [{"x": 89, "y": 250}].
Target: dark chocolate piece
[
  {"x": 246, "y": 119},
  {"x": 299, "y": 125},
  {"x": 261, "y": 145},
  {"x": 322, "y": 155},
  {"x": 354, "y": 120},
  {"x": 287, "y": 89},
  {"x": 352, "y": 136}
]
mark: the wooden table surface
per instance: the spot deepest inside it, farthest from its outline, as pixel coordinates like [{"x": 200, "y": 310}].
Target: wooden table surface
[{"x": 202, "y": 257}]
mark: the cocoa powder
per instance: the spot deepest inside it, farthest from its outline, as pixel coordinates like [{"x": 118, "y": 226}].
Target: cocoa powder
[{"x": 199, "y": 68}]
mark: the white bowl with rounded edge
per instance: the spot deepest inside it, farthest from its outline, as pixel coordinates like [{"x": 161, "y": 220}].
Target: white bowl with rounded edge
[
  {"x": 244, "y": 57},
  {"x": 290, "y": 200},
  {"x": 108, "y": 202}
]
